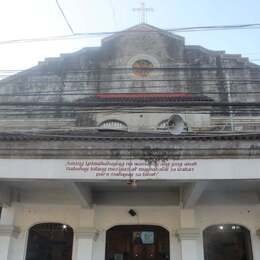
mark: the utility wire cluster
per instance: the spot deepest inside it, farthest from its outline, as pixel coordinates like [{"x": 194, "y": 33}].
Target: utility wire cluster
[
  {"x": 252, "y": 69},
  {"x": 76, "y": 36}
]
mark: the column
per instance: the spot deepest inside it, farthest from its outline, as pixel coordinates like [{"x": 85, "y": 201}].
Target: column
[
  {"x": 188, "y": 236},
  {"x": 8, "y": 232},
  {"x": 189, "y": 245},
  {"x": 85, "y": 242}
]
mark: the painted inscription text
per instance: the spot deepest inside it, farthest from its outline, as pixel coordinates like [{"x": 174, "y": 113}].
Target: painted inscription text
[{"x": 130, "y": 169}]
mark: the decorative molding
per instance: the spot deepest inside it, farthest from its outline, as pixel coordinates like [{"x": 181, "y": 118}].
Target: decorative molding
[
  {"x": 140, "y": 56},
  {"x": 113, "y": 124},
  {"x": 86, "y": 232},
  {"x": 188, "y": 233},
  {"x": 9, "y": 230}
]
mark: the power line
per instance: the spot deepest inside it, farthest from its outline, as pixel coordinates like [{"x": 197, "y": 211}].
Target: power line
[
  {"x": 87, "y": 94},
  {"x": 216, "y": 81},
  {"x": 253, "y": 70},
  {"x": 75, "y": 36},
  {"x": 216, "y": 27},
  {"x": 135, "y": 110},
  {"x": 113, "y": 11},
  {"x": 156, "y": 135},
  {"x": 156, "y": 80},
  {"x": 64, "y": 16},
  {"x": 70, "y": 112},
  {"x": 113, "y": 103},
  {"x": 9, "y": 70},
  {"x": 189, "y": 67},
  {"x": 103, "y": 89}
]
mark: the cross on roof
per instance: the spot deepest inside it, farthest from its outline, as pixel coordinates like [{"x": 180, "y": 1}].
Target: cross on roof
[{"x": 143, "y": 12}]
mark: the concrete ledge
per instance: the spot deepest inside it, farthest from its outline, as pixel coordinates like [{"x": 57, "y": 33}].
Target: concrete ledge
[
  {"x": 188, "y": 233},
  {"x": 11, "y": 231}
]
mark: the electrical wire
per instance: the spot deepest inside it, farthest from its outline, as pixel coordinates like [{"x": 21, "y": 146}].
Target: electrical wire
[
  {"x": 79, "y": 92},
  {"x": 113, "y": 12},
  {"x": 75, "y": 36},
  {"x": 222, "y": 80},
  {"x": 64, "y": 16},
  {"x": 115, "y": 104},
  {"x": 127, "y": 69}
]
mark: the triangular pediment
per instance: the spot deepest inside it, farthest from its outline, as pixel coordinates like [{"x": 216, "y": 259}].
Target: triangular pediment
[{"x": 142, "y": 28}]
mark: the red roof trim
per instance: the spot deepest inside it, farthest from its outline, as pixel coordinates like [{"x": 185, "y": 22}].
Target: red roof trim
[{"x": 142, "y": 95}]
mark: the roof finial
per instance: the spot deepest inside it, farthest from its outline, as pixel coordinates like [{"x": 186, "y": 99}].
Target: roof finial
[{"x": 143, "y": 12}]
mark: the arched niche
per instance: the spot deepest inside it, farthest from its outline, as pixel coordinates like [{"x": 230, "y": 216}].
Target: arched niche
[
  {"x": 227, "y": 242},
  {"x": 137, "y": 242},
  {"x": 164, "y": 126},
  {"x": 50, "y": 241},
  {"x": 113, "y": 124}
]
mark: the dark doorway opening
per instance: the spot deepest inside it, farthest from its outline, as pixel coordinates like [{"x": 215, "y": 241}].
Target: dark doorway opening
[
  {"x": 50, "y": 241},
  {"x": 137, "y": 242},
  {"x": 227, "y": 242}
]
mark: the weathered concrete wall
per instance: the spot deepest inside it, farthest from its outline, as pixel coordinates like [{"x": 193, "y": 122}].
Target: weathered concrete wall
[
  {"x": 131, "y": 148},
  {"x": 90, "y": 70},
  {"x": 109, "y": 69}
]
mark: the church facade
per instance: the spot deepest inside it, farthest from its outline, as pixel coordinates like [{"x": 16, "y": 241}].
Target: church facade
[{"x": 143, "y": 148}]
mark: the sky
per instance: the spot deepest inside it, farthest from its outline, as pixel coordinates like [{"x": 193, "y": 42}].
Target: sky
[{"x": 42, "y": 18}]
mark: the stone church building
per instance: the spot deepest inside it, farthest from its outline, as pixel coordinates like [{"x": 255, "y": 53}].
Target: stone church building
[{"x": 141, "y": 149}]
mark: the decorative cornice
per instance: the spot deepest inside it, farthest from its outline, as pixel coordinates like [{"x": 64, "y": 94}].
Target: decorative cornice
[
  {"x": 188, "y": 233},
  {"x": 86, "y": 232},
  {"x": 9, "y": 230},
  {"x": 128, "y": 136}
]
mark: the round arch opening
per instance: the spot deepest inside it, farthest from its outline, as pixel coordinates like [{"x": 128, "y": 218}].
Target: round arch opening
[
  {"x": 50, "y": 241},
  {"x": 137, "y": 242},
  {"x": 227, "y": 242}
]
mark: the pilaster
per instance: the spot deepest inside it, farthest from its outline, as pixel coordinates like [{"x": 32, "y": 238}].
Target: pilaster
[
  {"x": 188, "y": 235},
  {"x": 7, "y": 233},
  {"x": 85, "y": 240}
]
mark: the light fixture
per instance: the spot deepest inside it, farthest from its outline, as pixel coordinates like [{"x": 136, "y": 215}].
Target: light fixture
[
  {"x": 132, "y": 183},
  {"x": 64, "y": 226},
  {"x": 221, "y": 227},
  {"x": 132, "y": 212}
]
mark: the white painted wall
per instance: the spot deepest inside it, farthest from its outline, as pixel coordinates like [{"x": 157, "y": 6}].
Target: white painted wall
[
  {"x": 104, "y": 217},
  {"x": 5, "y": 246}
]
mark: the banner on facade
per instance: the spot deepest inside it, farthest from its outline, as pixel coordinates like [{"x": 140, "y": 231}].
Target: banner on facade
[{"x": 129, "y": 169}]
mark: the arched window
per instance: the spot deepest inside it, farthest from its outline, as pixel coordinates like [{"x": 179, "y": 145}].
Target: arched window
[
  {"x": 227, "y": 242},
  {"x": 164, "y": 126},
  {"x": 50, "y": 241},
  {"x": 113, "y": 124}
]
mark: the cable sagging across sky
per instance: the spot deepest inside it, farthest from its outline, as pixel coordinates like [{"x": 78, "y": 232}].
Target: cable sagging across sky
[
  {"x": 76, "y": 36},
  {"x": 64, "y": 16}
]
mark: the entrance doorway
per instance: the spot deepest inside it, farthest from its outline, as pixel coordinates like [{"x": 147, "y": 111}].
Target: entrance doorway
[{"x": 137, "y": 242}]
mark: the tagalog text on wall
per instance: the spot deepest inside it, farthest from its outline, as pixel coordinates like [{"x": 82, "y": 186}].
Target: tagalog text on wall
[{"x": 136, "y": 169}]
